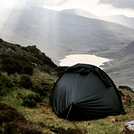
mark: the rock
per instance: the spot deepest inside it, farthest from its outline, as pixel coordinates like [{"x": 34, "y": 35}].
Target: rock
[{"x": 129, "y": 128}]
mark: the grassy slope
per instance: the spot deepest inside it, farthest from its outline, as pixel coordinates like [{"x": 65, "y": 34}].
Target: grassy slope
[{"x": 43, "y": 116}]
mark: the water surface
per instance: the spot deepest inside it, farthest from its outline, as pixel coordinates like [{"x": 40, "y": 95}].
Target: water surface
[{"x": 73, "y": 59}]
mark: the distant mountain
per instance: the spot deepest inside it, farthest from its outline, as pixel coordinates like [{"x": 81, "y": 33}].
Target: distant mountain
[
  {"x": 59, "y": 34},
  {"x": 128, "y": 50},
  {"x": 122, "y": 67},
  {"x": 120, "y": 19},
  {"x": 79, "y": 12}
]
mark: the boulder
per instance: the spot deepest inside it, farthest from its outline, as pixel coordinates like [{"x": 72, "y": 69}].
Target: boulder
[{"x": 129, "y": 128}]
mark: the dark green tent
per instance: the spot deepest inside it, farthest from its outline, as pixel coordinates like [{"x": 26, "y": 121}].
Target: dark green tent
[{"x": 85, "y": 92}]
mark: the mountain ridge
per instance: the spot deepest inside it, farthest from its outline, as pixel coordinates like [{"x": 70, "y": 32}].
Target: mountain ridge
[
  {"x": 15, "y": 58},
  {"x": 58, "y": 34}
]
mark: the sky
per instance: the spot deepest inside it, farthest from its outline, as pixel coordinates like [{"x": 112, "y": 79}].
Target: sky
[{"x": 96, "y": 7}]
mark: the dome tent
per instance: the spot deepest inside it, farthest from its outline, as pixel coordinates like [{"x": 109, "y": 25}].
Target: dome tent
[{"x": 85, "y": 92}]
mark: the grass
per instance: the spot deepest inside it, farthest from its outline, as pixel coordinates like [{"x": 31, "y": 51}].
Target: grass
[
  {"x": 14, "y": 98},
  {"x": 40, "y": 78},
  {"x": 43, "y": 116}
]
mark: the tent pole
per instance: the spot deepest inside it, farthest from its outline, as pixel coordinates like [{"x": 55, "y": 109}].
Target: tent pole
[{"x": 69, "y": 111}]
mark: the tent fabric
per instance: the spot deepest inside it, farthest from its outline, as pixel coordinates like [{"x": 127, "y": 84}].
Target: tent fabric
[{"x": 85, "y": 92}]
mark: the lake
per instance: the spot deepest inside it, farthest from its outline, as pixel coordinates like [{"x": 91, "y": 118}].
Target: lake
[{"x": 73, "y": 59}]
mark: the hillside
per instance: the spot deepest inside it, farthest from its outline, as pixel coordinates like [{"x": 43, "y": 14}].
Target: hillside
[
  {"x": 62, "y": 33},
  {"x": 17, "y": 59},
  {"x": 120, "y": 19},
  {"x": 59, "y": 33},
  {"x": 78, "y": 12},
  {"x": 128, "y": 50},
  {"x": 121, "y": 67},
  {"x": 27, "y": 76},
  {"x": 24, "y": 97}
]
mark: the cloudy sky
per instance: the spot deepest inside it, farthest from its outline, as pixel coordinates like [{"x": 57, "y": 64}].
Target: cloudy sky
[
  {"x": 119, "y": 3},
  {"x": 96, "y": 7}
]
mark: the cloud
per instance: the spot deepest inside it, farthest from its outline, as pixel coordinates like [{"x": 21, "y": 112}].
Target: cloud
[{"x": 119, "y": 3}]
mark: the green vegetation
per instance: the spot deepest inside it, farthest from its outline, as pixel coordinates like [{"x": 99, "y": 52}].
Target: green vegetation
[
  {"x": 31, "y": 100},
  {"x": 25, "y": 81},
  {"x": 6, "y": 85},
  {"x": 16, "y": 64},
  {"x": 25, "y": 88},
  {"x": 34, "y": 106}
]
